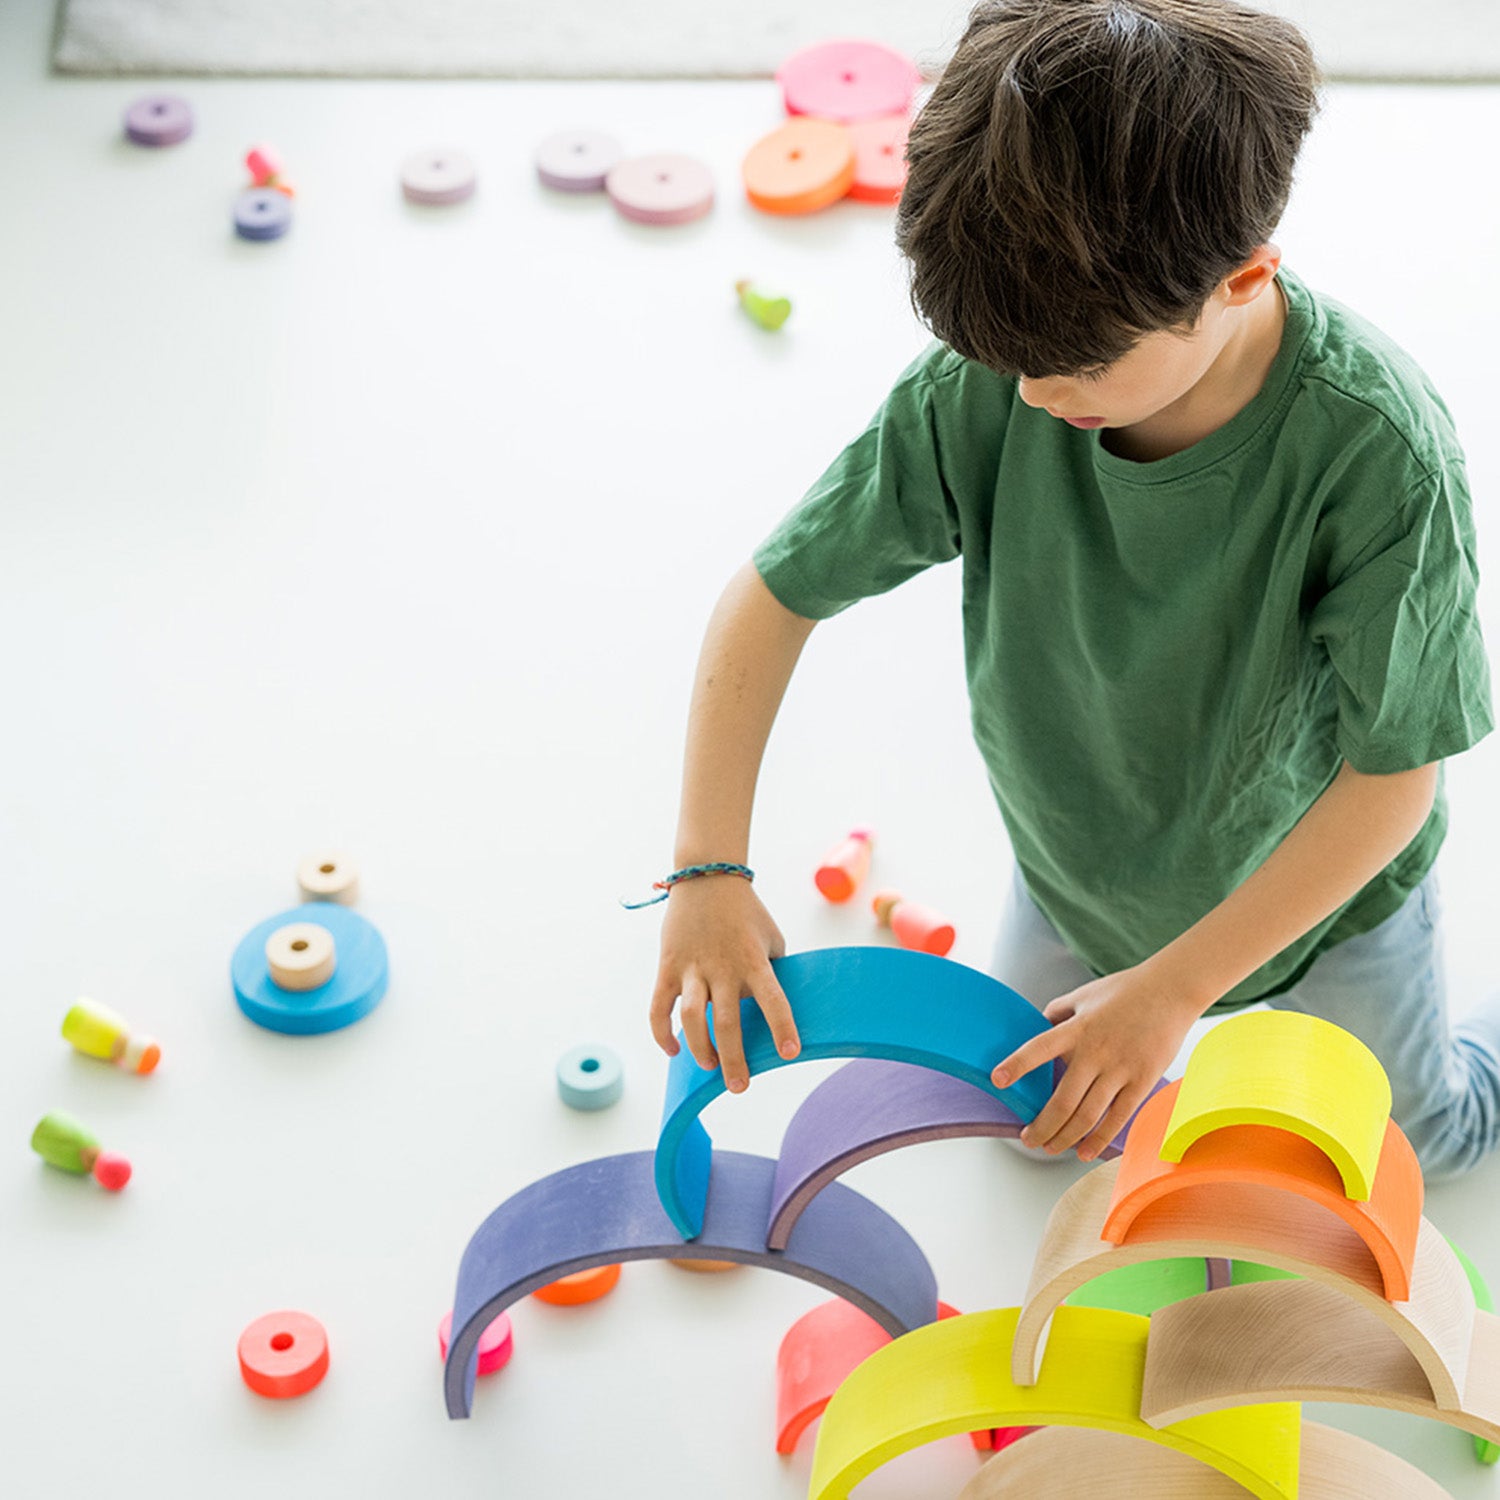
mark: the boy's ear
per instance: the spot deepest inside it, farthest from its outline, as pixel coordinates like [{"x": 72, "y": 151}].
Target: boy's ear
[{"x": 1253, "y": 276}]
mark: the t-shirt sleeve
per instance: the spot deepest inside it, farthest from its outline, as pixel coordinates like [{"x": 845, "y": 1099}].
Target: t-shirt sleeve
[
  {"x": 1401, "y": 630},
  {"x": 882, "y": 511}
]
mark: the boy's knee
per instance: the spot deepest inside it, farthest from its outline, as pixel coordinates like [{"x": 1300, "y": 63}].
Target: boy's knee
[{"x": 1456, "y": 1138}]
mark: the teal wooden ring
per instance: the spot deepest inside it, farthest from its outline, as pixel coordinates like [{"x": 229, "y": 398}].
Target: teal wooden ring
[
  {"x": 854, "y": 1002},
  {"x": 357, "y": 987},
  {"x": 590, "y": 1077}
]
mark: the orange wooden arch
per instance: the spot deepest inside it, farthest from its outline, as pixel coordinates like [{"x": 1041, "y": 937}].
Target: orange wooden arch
[{"x": 1388, "y": 1222}]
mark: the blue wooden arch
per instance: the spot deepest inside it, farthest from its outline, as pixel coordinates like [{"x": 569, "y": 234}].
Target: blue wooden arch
[{"x": 855, "y": 1002}]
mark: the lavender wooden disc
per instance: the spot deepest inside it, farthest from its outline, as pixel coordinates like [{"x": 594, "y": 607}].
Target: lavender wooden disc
[
  {"x": 159, "y": 120},
  {"x": 577, "y": 161},
  {"x": 438, "y": 177},
  {"x": 262, "y": 214},
  {"x": 661, "y": 189}
]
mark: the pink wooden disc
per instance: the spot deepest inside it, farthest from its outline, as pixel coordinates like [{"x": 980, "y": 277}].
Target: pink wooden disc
[
  {"x": 438, "y": 177},
  {"x": 847, "y": 81},
  {"x": 495, "y": 1343},
  {"x": 661, "y": 189},
  {"x": 577, "y": 161},
  {"x": 879, "y": 158}
]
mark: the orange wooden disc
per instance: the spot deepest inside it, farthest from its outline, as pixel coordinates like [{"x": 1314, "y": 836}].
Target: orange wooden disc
[
  {"x": 283, "y": 1354},
  {"x": 582, "y": 1286},
  {"x": 800, "y": 167}
]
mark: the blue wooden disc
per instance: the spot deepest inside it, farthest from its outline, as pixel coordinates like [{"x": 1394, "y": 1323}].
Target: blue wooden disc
[
  {"x": 590, "y": 1077},
  {"x": 357, "y": 987},
  {"x": 262, "y": 214}
]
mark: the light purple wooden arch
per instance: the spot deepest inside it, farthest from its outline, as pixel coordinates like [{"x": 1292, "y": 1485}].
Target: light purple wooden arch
[{"x": 872, "y": 1106}]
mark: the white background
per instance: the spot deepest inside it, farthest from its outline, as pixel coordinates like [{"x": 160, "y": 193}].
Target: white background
[{"x": 398, "y": 536}]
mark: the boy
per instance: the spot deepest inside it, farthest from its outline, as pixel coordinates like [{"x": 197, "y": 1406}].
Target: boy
[{"x": 1218, "y": 575}]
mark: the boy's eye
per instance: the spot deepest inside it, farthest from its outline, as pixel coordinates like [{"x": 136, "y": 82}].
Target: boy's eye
[{"x": 1097, "y": 373}]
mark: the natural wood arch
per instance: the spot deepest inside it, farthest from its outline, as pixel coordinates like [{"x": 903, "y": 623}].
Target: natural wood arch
[
  {"x": 1250, "y": 1222},
  {"x": 951, "y": 1377},
  {"x": 1062, "y": 1463},
  {"x": 1387, "y": 1220},
  {"x": 1302, "y": 1341}
]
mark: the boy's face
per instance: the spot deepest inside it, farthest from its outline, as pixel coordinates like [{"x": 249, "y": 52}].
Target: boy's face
[
  {"x": 1174, "y": 382},
  {"x": 1157, "y": 373}
]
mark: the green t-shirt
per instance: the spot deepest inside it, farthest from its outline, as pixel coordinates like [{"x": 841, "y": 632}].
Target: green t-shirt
[{"x": 1168, "y": 661}]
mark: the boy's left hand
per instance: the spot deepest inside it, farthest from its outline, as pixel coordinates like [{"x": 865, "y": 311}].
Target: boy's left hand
[{"x": 1119, "y": 1034}]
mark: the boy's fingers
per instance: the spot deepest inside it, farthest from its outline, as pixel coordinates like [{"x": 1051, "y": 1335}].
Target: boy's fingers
[
  {"x": 777, "y": 1010},
  {"x": 663, "y": 1001},
  {"x": 1029, "y": 1055},
  {"x": 1057, "y": 1111},
  {"x": 1108, "y": 1128},
  {"x": 1060, "y": 1009},
  {"x": 693, "y": 1012},
  {"x": 1086, "y": 1115},
  {"x": 728, "y": 1039}
]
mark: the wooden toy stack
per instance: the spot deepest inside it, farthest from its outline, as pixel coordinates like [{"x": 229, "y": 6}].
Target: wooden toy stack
[
  {"x": 1276, "y": 1151},
  {"x": 1256, "y": 1240},
  {"x": 849, "y": 104}
]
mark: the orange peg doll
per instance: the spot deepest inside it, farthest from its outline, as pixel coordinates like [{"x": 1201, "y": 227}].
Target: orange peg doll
[
  {"x": 917, "y": 927},
  {"x": 845, "y": 867}
]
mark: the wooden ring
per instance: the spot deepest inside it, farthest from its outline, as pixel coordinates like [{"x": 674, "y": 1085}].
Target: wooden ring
[
  {"x": 283, "y": 1354},
  {"x": 329, "y": 877},
  {"x": 301, "y": 956}
]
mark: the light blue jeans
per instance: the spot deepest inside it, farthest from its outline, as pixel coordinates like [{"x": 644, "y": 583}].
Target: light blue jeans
[{"x": 1387, "y": 986}]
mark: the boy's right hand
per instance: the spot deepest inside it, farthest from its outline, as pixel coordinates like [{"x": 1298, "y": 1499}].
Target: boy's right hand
[{"x": 717, "y": 943}]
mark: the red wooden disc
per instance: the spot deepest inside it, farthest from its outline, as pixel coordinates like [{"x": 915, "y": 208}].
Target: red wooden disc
[
  {"x": 880, "y": 158},
  {"x": 283, "y": 1354}
]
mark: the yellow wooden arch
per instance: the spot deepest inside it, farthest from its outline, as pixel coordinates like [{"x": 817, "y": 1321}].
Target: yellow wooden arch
[
  {"x": 950, "y": 1377},
  {"x": 1296, "y": 1072}
]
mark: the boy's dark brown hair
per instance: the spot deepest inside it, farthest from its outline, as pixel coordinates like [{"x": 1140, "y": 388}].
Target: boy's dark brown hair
[{"x": 1088, "y": 171}]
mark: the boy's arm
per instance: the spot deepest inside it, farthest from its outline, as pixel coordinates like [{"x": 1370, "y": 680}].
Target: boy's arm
[
  {"x": 717, "y": 938},
  {"x": 1120, "y": 1033}
]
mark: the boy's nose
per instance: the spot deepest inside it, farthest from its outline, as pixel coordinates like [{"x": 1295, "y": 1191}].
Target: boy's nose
[{"x": 1037, "y": 391}]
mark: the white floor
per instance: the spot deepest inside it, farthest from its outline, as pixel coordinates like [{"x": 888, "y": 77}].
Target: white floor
[{"x": 398, "y": 535}]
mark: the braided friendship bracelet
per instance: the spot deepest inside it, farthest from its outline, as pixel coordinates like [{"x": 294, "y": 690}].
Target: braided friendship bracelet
[{"x": 687, "y": 872}]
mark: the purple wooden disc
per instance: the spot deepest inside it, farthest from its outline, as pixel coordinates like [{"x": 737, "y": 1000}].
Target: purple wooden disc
[
  {"x": 661, "y": 189},
  {"x": 262, "y": 214},
  {"x": 577, "y": 161},
  {"x": 438, "y": 177},
  {"x": 159, "y": 120}
]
